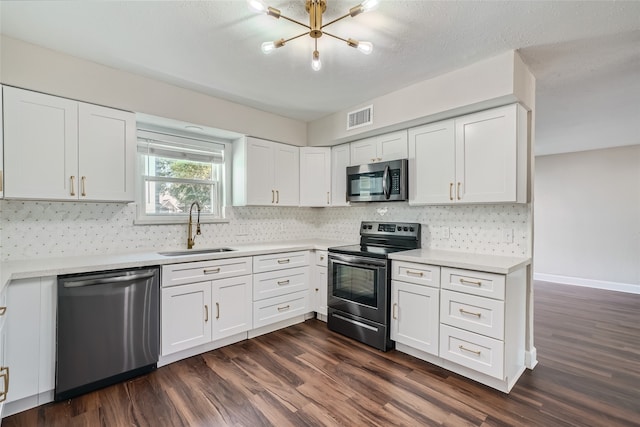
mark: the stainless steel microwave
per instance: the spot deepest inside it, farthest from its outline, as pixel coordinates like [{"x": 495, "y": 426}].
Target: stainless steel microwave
[{"x": 378, "y": 182}]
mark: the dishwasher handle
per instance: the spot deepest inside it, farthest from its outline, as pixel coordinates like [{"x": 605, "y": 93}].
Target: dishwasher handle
[{"x": 108, "y": 280}]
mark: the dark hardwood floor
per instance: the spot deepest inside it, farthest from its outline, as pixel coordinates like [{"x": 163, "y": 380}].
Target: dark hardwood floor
[{"x": 588, "y": 374}]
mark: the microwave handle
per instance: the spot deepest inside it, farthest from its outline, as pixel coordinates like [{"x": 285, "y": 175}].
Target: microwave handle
[{"x": 386, "y": 185}]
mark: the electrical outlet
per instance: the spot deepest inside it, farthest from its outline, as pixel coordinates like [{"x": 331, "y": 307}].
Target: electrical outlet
[
  {"x": 445, "y": 232},
  {"x": 507, "y": 235}
]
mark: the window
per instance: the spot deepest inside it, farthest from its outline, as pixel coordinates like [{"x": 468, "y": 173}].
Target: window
[{"x": 176, "y": 171}]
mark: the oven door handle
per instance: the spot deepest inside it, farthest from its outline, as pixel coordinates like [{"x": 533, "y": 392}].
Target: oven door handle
[
  {"x": 386, "y": 183},
  {"x": 357, "y": 261}
]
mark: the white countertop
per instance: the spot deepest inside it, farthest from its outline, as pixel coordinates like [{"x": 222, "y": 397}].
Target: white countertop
[
  {"x": 480, "y": 262},
  {"x": 42, "y": 267}
]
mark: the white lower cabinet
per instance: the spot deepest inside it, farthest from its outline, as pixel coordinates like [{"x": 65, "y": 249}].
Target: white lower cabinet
[
  {"x": 319, "y": 285},
  {"x": 195, "y": 314},
  {"x": 281, "y": 287},
  {"x": 415, "y": 305},
  {"x": 470, "y": 322},
  {"x": 184, "y": 323},
  {"x": 414, "y": 311},
  {"x": 30, "y": 343}
]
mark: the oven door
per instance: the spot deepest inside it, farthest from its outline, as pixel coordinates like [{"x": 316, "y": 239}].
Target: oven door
[{"x": 358, "y": 285}]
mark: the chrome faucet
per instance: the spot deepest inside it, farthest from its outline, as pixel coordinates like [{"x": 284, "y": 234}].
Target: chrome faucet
[{"x": 191, "y": 239}]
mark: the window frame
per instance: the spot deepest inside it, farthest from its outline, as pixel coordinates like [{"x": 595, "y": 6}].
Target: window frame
[{"x": 142, "y": 218}]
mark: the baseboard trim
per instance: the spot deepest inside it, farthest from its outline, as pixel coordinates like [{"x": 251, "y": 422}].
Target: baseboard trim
[{"x": 588, "y": 283}]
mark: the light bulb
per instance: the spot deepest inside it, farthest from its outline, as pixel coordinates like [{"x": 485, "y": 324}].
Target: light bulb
[
  {"x": 365, "y": 47},
  {"x": 315, "y": 61},
  {"x": 257, "y": 6},
  {"x": 368, "y": 5},
  {"x": 268, "y": 47}
]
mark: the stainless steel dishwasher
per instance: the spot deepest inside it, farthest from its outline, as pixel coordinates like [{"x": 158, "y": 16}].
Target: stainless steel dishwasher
[{"x": 108, "y": 328}]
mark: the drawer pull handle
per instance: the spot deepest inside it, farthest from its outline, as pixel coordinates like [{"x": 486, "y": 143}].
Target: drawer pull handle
[
  {"x": 286, "y": 307},
  {"x": 217, "y": 310},
  {"x": 283, "y": 282},
  {"x": 463, "y": 311},
  {"x": 273, "y": 196},
  {"x": 83, "y": 181},
  {"x": 4, "y": 373},
  {"x": 206, "y": 313},
  {"x": 476, "y": 352},
  {"x": 3, "y": 310},
  {"x": 283, "y": 261},
  {"x": 211, "y": 270},
  {"x": 277, "y": 196},
  {"x": 73, "y": 186},
  {"x": 393, "y": 311},
  {"x": 470, "y": 282},
  {"x": 458, "y": 192},
  {"x": 451, "y": 191},
  {"x": 415, "y": 273}
]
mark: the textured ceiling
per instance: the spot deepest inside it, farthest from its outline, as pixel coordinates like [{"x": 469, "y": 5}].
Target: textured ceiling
[{"x": 585, "y": 55}]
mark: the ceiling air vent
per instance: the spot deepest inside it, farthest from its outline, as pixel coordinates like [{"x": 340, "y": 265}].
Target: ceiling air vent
[{"x": 359, "y": 118}]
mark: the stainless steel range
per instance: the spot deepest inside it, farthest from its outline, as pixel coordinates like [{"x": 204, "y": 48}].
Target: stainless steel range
[{"x": 360, "y": 281}]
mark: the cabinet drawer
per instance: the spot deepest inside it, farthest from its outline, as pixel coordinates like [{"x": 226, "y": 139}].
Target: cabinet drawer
[
  {"x": 321, "y": 258},
  {"x": 190, "y": 272},
  {"x": 420, "y": 274},
  {"x": 473, "y": 282},
  {"x": 279, "y": 261},
  {"x": 268, "y": 311},
  {"x": 280, "y": 282},
  {"x": 476, "y": 314},
  {"x": 474, "y": 351}
]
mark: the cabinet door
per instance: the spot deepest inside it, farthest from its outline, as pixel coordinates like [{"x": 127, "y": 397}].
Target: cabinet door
[
  {"x": 186, "y": 316},
  {"x": 432, "y": 164},
  {"x": 415, "y": 316},
  {"x": 486, "y": 150},
  {"x": 287, "y": 175},
  {"x": 40, "y": 146},
  {"x": 392, "y": 146},
  {"x": 321, "y": 289},
  {"x": 364, "y": 151},
  {"x": 260, "y": 172},
  {"x": 232, "y": 309},
  {"x": 315, "y": 176},
  {"x": 30, "y": 340},
  {"x": 106, "y": 153},
  {"x": 340, "y": 159}
]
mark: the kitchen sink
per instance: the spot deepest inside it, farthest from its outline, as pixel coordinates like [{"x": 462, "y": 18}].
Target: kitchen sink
[{"x": 196, "y": 252}]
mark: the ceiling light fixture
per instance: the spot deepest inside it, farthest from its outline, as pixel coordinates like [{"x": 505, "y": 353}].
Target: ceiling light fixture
[{"x": 315, "y": 8}]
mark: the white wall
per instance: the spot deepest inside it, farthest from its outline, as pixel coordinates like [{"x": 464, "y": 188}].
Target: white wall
[
  {"x": 37, "y": 68},
  {"x": 587, "y": 218},
  {"x": 495, "y": 81}
]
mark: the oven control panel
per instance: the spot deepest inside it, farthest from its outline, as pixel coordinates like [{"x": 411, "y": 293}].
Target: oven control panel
[{"x": 405, "y": 229}]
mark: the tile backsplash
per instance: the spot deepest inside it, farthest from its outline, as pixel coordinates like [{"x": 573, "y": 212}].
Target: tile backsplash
[{"x": 37, "y": 229}]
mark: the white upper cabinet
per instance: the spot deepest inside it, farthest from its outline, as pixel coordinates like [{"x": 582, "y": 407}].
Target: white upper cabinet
[
  {"x": 265, "y": 173},
  {"x": 390, "y": 146},
  {"x": 315, "y": 176},
  {"x": 61, "y": 149},
  {"x": 287, "y": 175},
  {"x": 106, "y": 154},
  {"x": 478, "y": 158},
  {"x": 340, "y": 160},
  {"x": 432, "y": 163}
]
